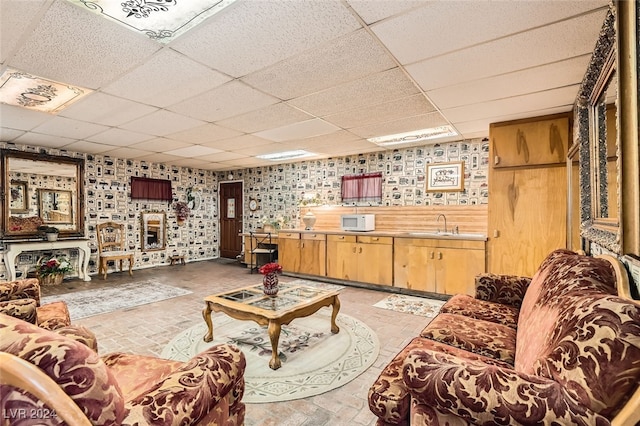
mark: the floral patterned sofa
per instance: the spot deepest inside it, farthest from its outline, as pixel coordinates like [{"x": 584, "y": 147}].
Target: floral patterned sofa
[
  {"x": 119, "y": 388},
  {"x": 559, "y": 348}
]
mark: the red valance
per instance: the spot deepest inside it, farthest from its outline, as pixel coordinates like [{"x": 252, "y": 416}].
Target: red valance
[
  {"x": 151, "y": 189},
  {"x": 365, "y": 187}
]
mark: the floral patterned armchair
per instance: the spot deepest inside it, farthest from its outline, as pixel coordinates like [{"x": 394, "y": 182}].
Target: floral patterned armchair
[
  {"x": 562, "y": 347},
  {"x": 122, "y": 389}
]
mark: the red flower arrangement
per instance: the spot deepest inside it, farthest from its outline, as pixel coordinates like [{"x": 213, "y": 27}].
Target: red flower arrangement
[{"x": 270, "y": 268}]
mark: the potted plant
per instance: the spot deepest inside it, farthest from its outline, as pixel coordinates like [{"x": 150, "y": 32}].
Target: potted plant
[
  {"x": 182, "y": 211},
  {"x": 51, "y": 270},
  {"x": 51, "y": 232}
]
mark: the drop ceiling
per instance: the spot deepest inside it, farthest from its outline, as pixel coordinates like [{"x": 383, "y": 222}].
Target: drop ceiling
[{"x": 267, "y": 76}]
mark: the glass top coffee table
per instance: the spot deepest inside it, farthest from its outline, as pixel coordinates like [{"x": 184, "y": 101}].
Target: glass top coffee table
[{"x": 292, "y": 301}]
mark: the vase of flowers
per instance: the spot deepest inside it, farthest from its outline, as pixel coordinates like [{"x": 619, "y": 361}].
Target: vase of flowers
[
  {"x": 182, "y": 211},
  {"x": 51, "y": 270},
  {"x": 270, "y": 279}
]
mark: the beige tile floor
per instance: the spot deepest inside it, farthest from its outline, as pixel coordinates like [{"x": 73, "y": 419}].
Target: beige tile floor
[{"x": 147, "y": 329}]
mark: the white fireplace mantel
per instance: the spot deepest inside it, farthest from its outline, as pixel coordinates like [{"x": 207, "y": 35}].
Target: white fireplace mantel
[{"x": 14, "y": 248}]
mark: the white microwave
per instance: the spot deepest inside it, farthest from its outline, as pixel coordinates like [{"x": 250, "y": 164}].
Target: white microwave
[{"x": 357, "y": 222}]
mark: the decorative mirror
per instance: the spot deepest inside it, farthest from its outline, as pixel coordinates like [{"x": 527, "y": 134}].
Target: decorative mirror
[
  {"x": 41, "y": 189},
  {"x": 597, "y": 137},
  {"x": 153, "y": 230},
  {"x": 55, "y": 206}
]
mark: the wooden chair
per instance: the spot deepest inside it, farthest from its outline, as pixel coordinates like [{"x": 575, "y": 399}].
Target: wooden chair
[
  {"x": 112, "y": 246},
  {"x": 261, "y": 246}
]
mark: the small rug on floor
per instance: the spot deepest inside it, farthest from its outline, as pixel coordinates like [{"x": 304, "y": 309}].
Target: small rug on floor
[
  {"x": 411, "y": 305},
  {"x": 313, "y": 359},
  {"x": 87, "y": 303}
]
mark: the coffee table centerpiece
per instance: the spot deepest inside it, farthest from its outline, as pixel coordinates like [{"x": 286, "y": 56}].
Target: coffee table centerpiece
[{"x": 292, "y": 301}]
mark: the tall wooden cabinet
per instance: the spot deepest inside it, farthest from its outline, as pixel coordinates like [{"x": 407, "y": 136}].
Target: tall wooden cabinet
[{"x": 527, "y": 192}]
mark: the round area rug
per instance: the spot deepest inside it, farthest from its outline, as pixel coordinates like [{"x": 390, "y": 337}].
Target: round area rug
[{"x": 313, "y": 359}]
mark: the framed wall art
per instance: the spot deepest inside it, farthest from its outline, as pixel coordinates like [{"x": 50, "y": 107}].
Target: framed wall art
[
  {"x": 445, "y": 177},
  {"x": 19, "y": 197}
]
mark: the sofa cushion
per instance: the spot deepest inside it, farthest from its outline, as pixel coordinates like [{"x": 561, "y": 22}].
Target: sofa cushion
[
  {"x": 463, "y": 304},
  {"x": 480, "y": 337},
  {"x": 24, "y": 309},
  {"x": 388, "y": 396},
  {"x": 53, "y": 315},
  {"x": 73, "y": 366},
  {"x": 594, "y": 351}
]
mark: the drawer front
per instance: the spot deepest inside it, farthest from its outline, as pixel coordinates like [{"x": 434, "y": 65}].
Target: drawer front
[
  {"x": 289, "y": 235},
  {"x": 367, "y": 239},
  {"x": 315, "y": 237},
  {"x": 341, "y": 238}
]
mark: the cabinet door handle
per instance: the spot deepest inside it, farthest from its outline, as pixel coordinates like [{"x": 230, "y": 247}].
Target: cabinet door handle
[
  {"x": 360, "y": 251},
  {"x": 301, "y": 245},
  {"x": 375, "y": 239},
  {"x": 496, "y": 160},
  {"x": 432, "y": 255},
  {"x": 354, "y": 249},
  {"x": 341, "y": 237},
  {"x": 439, "y": 255}
]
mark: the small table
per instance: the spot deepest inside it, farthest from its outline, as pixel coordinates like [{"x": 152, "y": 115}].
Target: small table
[{"x": 291, "y": 302}]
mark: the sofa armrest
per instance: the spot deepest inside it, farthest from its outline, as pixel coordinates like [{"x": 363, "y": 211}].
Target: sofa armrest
[
  {"x": 504, "y": 289},
  {"x": 28, "y": 288},
  {"x": 190, "y": 393},
  {"x": 486, "y": 394},
  {"x": 24, "y": 309}
]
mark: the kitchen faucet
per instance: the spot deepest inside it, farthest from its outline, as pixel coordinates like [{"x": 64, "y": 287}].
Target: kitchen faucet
[{"x": 445, "y": 222}]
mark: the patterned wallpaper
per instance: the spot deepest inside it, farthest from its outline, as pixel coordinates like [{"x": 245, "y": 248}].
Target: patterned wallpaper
[{"x": 277, "y": 188}]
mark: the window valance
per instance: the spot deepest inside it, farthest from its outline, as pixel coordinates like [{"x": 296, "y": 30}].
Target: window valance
[
  {"x": 362, "y": 188},
  {"x": 151, "y": 189}
]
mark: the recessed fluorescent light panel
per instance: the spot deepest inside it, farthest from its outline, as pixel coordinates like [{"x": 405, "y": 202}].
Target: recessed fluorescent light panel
[
  {"x": 37, "y": 93},
  {"x": 286, "y": 155},
  {"x": 415, "y": 136},
  {"x": 162, "y": 21}
]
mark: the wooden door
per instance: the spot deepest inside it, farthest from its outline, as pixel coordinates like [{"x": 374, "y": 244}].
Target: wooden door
[
  {"x": 289, "y": 251},
  {"x": 527, "y": 218},
  {"x": 375, "y": 260},
  {"x": 412, "y": 262},
  {"x": 313, "y": 254},
  {"x": 230, "y": 219},
  {"x": 341, "y": 257}
]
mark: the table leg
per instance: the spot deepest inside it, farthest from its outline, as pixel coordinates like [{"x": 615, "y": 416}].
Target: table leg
[
  {"x": 274, "y": 336},
  {"x": 336, "y": 307},
  {"x": 206, "y": 314}
]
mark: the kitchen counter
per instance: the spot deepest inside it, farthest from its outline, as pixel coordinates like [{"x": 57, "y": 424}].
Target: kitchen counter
[{"x": 397, "y": 234}]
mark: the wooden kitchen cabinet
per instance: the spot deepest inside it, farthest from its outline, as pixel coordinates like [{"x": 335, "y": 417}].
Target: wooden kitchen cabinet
[
  {"x": 361, "y": 258},
  {"x": 302, "y": 253},
  {"x": 530, "y": 142},
  {"x": 438, "y": 266}
]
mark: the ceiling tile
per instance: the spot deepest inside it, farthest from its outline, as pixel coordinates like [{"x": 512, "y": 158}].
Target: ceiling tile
[
  {"x": 89, "y": 147},
  {"x": 7, "y": 135},
  {"x": 180, "y": 78},
  {"x": 39, "y": 139},
  {"x": 265, "y": 32},
  {"x": 353, "y": 56},
  {"x": 106, "y": 109},
  {"x": 226, "y": 101},
  {"x": 21, "y": 118},
  {"x": 382, "y": 87},
  {"x": 54, "y": 50},
  {"x": 223, "y": 156},
  {"x": 426, "y": 121},
  {"x": 247, "y": 162},
  {"x": 373, "y": 11},
  {"x": 161, "y": 158},
  {"x": 388, "y": 111},
  {"x": 17, "y": 18},
  {"x": 127, "y": 152},
  {"x": 561, "y": 97},
  {"x": 276, "y": 115},
  {"x": 300, "y": 130},
  {"x": 162, "y": 123},
  {"x": 544, "y": 45},
  {"x": 557, "y": 74},
  {"x": 160, "y": 145},
  {"x": 192, "y": 151},
  {"x": 356, "y": 147},
  {"x": 205, "y": 133},
  {"x": 410, "y": 40},
  {"x": 66, "y": 127},
  {"x": 238, "y": 143},
  {"x": 339, "y": 137},
  {"x": 119, "y": 137},
  {"x": 261, "y": 149}
]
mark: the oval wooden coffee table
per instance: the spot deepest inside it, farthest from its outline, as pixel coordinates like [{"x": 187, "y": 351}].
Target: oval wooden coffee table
[{"x": 291, "y": 302}]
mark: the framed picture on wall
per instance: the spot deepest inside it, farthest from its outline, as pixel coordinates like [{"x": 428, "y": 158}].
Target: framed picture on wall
[
  {"x": 19, "y": 202},
  {"x": 445, "y": 177}
]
